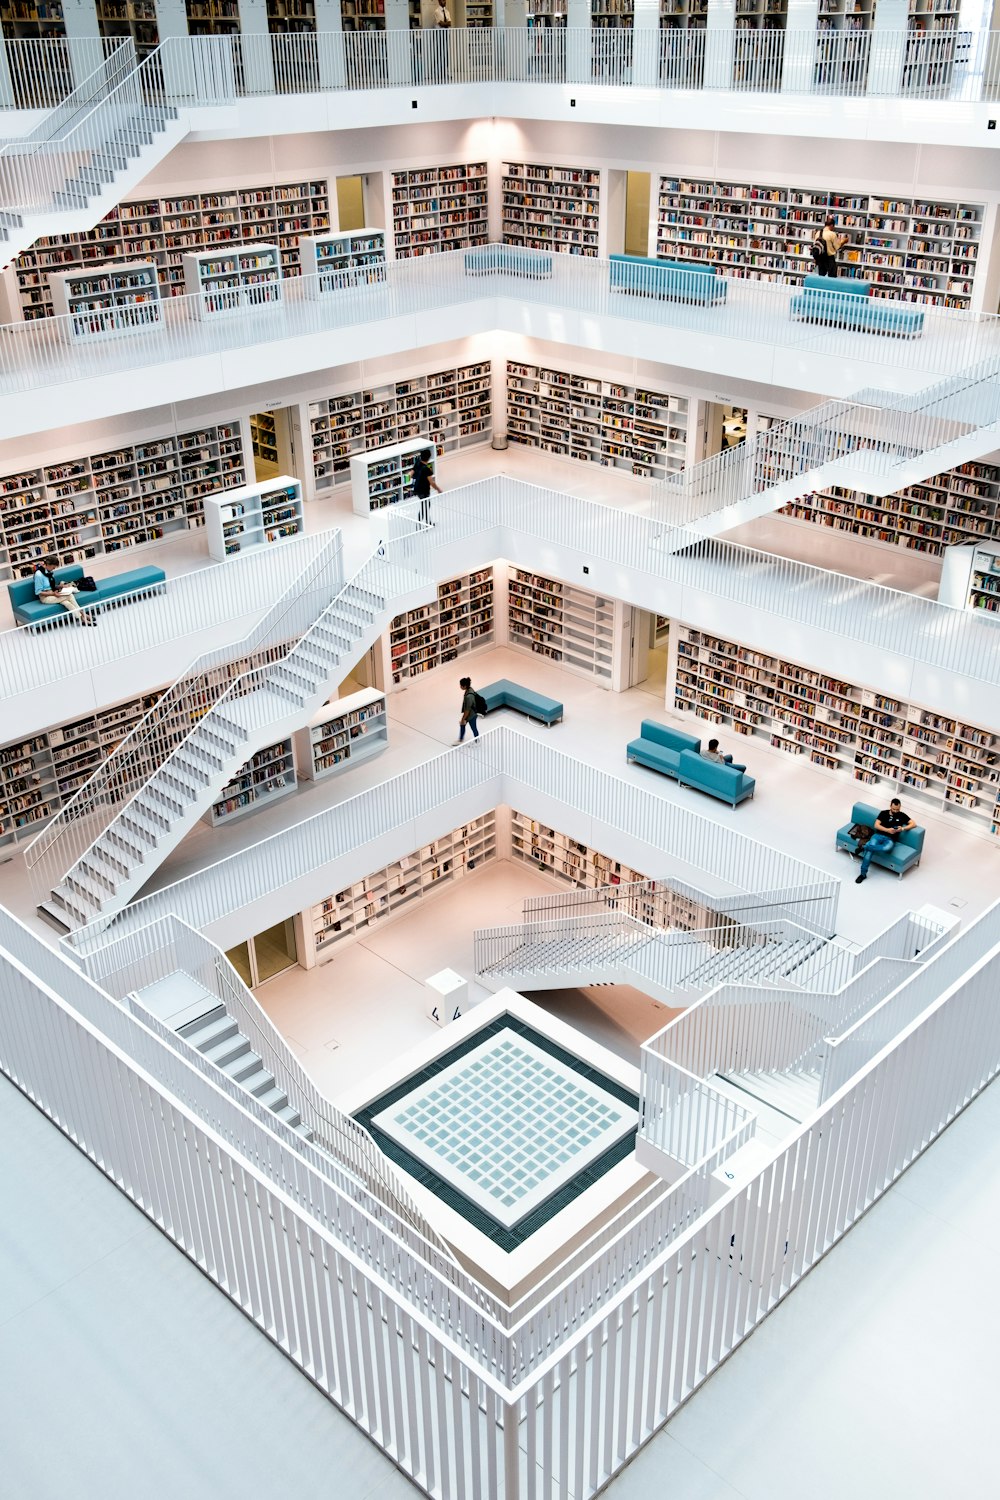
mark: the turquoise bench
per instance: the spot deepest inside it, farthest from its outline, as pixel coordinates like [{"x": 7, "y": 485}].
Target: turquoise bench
[
  {"x": 905, "y": 852},
  {"x": 676, "y": 280},
  {"x": 727, "y": 782},
  {"x": 120, "y": 588},
  {"x": 847, "y": 302},
  {"x": 508, "y": 260},
  {"x": 507, "y": 694},
  {"x": 659, "y": 747}
]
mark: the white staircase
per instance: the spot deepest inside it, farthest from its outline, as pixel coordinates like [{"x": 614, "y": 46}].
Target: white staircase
[
  {"x": 259, "y": 708},
  {"x": 877, "y": 443},
  {"x": 86, "y": 154},
  {"x": 792, "y": 1093},
  {"x": 217, "y": 1036}
]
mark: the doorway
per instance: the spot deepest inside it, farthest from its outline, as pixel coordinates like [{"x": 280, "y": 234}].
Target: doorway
[
  {"x": 350, "y": 203},
  {"x": 269, "y": 953},
  {"x": 725, "y": 427},
  {"x": 648, "y": 635},
  {"x": 272, "y": 443},
  {"x": 637, "y": 189}
]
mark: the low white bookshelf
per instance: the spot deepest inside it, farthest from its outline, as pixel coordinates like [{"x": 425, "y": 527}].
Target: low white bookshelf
[
  {"x": 107, "y": 302},
  {"x": 266, "y": 776},
  {"x": 253, "y": 516},
  {"x": 384, "y": 476},
  {"x": 229, "y": 280},
  {"x": 333, "y": 262},
  {"x": 342, "y": 735}
]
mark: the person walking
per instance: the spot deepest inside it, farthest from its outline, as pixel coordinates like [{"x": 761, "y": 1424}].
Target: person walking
[
  {"x": 423, "y": 483},
  {"x": 888, "y": 826},
  {"x": 470, "y": 712},
  {"x": 49, "y": 591},
  {"x": 832, "y": 243}
]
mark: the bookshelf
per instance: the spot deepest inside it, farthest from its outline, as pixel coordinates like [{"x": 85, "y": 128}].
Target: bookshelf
[
  {"x": 461, "y": 619},
  {"x": 130, "y": 18},
  {"x": 394, "y": 887},
  {"x": 223, "y": 282},
  {"x": 264, "y": 436},
  {"x": 111, "y": 303},
  {"x": 551, "y": 208},
  {"x": 929, "y": 57},
  {"x": 947, "y": 510},
  {"x": 163, "y": 230},
  {"x": 439, "y": 208},
  {"x": 41, "y": 773},
  {"x": 286, "y": 17},
  {"x": 970, "y": 577},
  {"x": 915, "y": 249},
  {"x": 569, "y": 860},
  {"x": 342, "y": 734},
  {"x": 843, "y": 40},
  {"x": 253, "y": 516},
  {"x": 881, "y": 741},
  {"x": 598, "y": 421},
  {"x": 264, "y": 778},
  {"x": 30, "y": 20},
  {"x": 384, "y": 476},
  {"x": 336, "y": 261},
  {"x": 101, "y": 503},
  {"x": 213, "y": 17},
  {"x": 478, "y": 14},
  {"x": 613, "y": 14},
  {"x": 453, "y": 407},
  {"x": 561, "y": 622},
  {"x": 363, "y": 15}
]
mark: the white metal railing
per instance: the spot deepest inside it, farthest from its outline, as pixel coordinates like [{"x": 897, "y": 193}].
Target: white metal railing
[
  {"x": 961, "y": 66},
  {"x": 188, "y": 605},
  {"x": 43, "y": 71},
  {"x": 206, "y": 681},
  {"x": 687, "y": 1119},
  {"x": 37, "y": 353},
  {"x": 677, "y": 1313},
  {"x": 507, "y": 768},
  {"x": 855, "y": 1046},
  {"x": 169, "y": 947},
  {"x": 875, "y": 439}
]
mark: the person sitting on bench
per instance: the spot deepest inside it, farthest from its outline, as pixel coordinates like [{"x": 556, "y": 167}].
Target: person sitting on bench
[
  {"x": 49, "y": 591},
  {"x": 888, "y": 825}
]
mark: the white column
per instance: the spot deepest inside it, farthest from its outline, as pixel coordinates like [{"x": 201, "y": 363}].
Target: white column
[
  {"x": 800, "y": 47},
  {"x": 330, "y": 41},
  {"x": 257, "y": 67},
  {"x": 80, "y": 17},
  {"x": 720, "y": 24},
  {"x": 577, "y": 41},
  {"x": 888, "y": 50},
  {"x": 645, "y": 43}
]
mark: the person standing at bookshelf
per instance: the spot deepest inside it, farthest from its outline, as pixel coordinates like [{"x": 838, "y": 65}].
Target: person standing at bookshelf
[
  {"x": 832, "y": 243},
  {"x": 49, "y": 591},
  {"x": 470, "y": 710},
  {"x": 423, "y": 483}
]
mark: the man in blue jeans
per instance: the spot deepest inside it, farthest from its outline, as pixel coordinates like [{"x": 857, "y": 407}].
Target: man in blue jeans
[{"x": 888, "y": 826}]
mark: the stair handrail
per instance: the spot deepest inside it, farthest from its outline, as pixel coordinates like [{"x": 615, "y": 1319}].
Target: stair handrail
[
  {"x": 30, "y": 178},
  {"x": 895, "y": 429},
  {"x": 662, "y": 891},
  {"x": 110, "y": 71},
  {"x": 166, "y": 725}
]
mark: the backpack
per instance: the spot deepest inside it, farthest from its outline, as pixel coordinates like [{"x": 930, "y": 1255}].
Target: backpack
[
  {"x": 481, "y": 703},
  {"x": 817, "y": 250}
]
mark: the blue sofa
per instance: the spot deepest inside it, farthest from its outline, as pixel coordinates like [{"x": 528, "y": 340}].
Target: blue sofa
[
  {"x": 677, "y": 280},
  {"x": 725, "y": 781},
  {"x": 508, "y": 260},
  {"x": 905, "y": 852},
  {"x": 659, "y": 747},
  {"x": 507, "y": 694},
  {"x": 846, "y": 302},
  {"x": 119, "y": 589}
]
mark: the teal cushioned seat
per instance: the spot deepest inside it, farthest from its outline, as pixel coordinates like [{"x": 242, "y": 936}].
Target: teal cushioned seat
[
  {"x": 31, "y": 611},
  {"x": 659, "y": 747},
  {"x": 506, "y": 694},
  {"x": 675, "y": 280},
  {"x": 728, "y": 783},
  {"x": 508, "y": 260},
  {"x": 846, "y": 302},
  {"x": 905, "y": 852}
]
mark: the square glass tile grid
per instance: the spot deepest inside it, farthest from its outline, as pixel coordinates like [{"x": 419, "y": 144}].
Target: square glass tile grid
[{"x": 507, "y": 1125}]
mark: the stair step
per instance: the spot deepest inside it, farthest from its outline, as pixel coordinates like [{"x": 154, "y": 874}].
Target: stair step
[
  {"x": 205, "y": 1026},
  {"x": 290, "y": 1115},
  {"x": 53, "y": 915},
  {"x": 244, "y": 1068},
  {"x": 274, "y": 1098},
  {"x": 228, "y": 1049}
]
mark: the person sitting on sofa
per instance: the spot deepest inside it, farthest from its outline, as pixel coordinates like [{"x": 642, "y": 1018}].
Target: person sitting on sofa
[
  {"x": 888, "y": 825},
  {"x": 714, "y": 753},
  {"x": 49, "y": 591}
]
